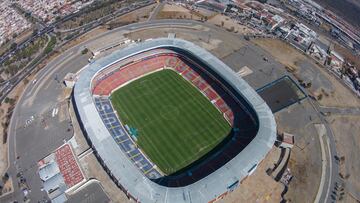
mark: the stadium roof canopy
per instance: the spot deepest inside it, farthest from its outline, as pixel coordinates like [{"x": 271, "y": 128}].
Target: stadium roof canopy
[{"x": 129, "y": 176}]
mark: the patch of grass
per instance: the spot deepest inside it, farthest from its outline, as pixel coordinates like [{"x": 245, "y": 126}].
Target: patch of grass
[
  {"x": 176, "y": 124},
  {"x": 18, "y": 61},
  {"x": 50, "y": 46}
]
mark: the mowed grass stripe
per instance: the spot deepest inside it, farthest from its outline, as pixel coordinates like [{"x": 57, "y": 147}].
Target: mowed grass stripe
[
  {"x": 189, "y": 152},
  {"x": 176, "y": 123},
  {"x": 169, "y": 98},
  {"x": 198, "y": 115},
  {"x": 141, "y": 109},
  {"x": 184, "y": 152},
  {"x": 185, "y": 128},
  {"x": 158, "y": 97}
]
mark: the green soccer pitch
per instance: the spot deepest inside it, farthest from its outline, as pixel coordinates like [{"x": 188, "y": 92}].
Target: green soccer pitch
[{"x": 176, "y": 124}]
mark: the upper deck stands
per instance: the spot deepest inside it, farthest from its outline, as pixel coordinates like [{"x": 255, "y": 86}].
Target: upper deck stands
[
  {"x": 124, "y": 74},
  {"x": 135, "y": 69}
]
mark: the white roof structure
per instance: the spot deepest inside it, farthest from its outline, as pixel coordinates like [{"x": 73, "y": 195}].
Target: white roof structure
[
  {"x": 124, "y": 172},
  {"x": 48, "y": 171}
]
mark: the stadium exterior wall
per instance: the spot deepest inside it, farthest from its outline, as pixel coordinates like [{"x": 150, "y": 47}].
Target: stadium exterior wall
[{"x": 125, "y": 173}]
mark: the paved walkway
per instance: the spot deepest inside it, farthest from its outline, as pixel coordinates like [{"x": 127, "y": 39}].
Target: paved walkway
[{"x": 340, "y": 110}]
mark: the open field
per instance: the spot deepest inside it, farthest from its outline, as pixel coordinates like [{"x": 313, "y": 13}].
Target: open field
[
  {"x": 229, "y": 24},
  {"x": 259, "y": 187},
  {"x": 305, "y": 157},
  {"x": 139, "y": 15},
  {"x": 176, "y": 124},
  {"x": 347, "y": 130},
  {"x": 334, "y": 93},
  {"x": 99, "y": 10},
  {"x": 170, "y": 11}
]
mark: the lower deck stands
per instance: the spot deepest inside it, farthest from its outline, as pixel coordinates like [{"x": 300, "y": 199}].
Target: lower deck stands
[{"x": 123, "y": 140}]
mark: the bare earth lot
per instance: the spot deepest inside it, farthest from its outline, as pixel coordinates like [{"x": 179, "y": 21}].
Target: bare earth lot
[
  {"x": 268, "y": 191},
  {"x": 138, "y": 15},
  {"x": 345, "y": 128},
  {"x": 229, "y": 24},
  {"x": 334, "y": 93},
  {"x": 305, "y": 156},
  {"x": 171, "y": 11},
  {"x": 347, "y": 136}
]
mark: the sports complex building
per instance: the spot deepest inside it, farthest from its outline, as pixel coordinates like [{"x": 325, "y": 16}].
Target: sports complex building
[{"x": 170, "y": 122}]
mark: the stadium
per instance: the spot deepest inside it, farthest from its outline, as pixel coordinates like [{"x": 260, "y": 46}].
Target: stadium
[{"x": 169, "y": 122}]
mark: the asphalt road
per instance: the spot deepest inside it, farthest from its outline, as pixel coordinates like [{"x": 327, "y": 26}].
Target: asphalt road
[
  {"x": 332, "y": 171},
  {"x": 341, "y": 111},
  {"x": 49, "y": 29},
  {"x": 32, "y": 143},
  {"x": 27, "y": 145},
  {"x": 108, "y": 17}
]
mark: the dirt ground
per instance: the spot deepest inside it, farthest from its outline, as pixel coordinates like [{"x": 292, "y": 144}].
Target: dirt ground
[
  {"x": 3, "y": 146},
  {"x": 251, "y": 191},
  {"x": 229, "y": 24},
  {"x": 93, "y": 169},
  {"x": 82, "y": 38},
  {"x": 199, "y": 35},
  {"x": 7, "y": 187},
  {"x": 95, "y": 14},
  {"x": 283, "y": 52},
  {"x": 3, "y": 48},
  {"x": 346, "y": 53},
  {"x": 23, "y": 36},
  {"x": 346, "y": 129},
  {"x": 305, "y": 157},
  {"x": 138, "y": 15},
  {"x": 347, "y": 137},
  {"x": 172, "y": 11},
  {"x": 340, "y": 96},
  {"x": 126, "y": 19}
]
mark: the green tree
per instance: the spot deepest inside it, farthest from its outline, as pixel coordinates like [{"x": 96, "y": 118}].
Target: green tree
[
  {"x": 13, "y": 45},
  {"x": 85, "y": 51}
]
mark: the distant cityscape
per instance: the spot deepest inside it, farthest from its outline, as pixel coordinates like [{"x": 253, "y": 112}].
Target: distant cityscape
[
  {"x": 300, "y": 27},
  {"x": 179, "y": 101},
  {"x": 48, "y": 10},
  {"x": 13, "y": 23}
]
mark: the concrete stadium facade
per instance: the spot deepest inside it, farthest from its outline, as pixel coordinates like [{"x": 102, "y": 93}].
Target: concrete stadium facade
[{"x": 126, "y": 175}]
